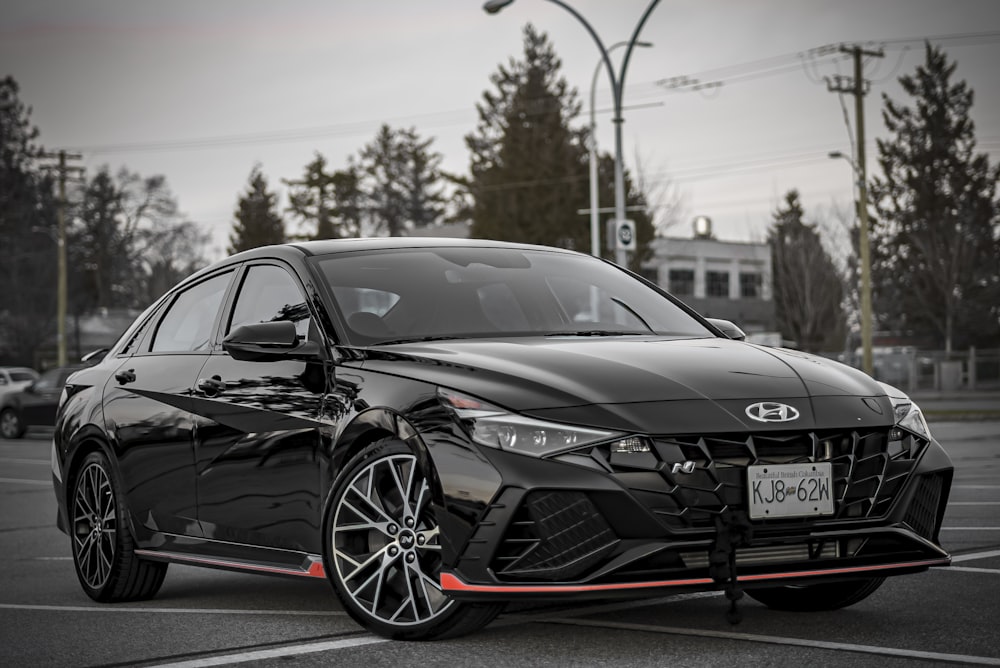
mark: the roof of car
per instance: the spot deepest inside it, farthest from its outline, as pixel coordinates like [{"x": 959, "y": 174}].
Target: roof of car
[{"x": 332, "y": 246}]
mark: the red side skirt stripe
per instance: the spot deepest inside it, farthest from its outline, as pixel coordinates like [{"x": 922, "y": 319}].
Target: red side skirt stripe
[{"x": 451, "y": 582}]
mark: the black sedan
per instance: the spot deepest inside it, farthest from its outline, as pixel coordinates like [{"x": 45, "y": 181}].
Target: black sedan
[
  {"x": 440, "y": 427},
  {"x": 33, "y": 406}
]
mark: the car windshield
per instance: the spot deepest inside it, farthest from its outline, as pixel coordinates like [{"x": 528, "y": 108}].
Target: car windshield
[{"x": 393, "y": 296}]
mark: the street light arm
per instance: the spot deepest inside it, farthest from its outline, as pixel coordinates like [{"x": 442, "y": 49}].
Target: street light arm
[
  {"x": 628, "y": 52},
  {"x": 600, "y": 45}
]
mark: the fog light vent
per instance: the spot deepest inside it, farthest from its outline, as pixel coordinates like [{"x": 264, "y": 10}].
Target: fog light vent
[{"x": 630, "y": 445}]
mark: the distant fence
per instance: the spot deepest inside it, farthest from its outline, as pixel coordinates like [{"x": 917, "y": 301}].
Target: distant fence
[{"x": 911, "y": 369}]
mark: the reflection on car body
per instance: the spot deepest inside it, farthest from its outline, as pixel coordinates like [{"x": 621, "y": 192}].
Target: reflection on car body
[{"x": 440, "y": 427}]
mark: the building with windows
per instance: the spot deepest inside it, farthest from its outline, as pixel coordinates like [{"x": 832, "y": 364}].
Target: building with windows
[{"x": 719, "y": 279}]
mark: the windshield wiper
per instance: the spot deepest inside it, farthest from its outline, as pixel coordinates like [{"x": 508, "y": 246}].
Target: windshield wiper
[
  {"x": 633, "y": 312},
  {"x": 597, "y": 332},
  {"x": 416, "y": 339}
]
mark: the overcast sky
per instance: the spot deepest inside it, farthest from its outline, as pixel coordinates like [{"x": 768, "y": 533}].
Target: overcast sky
[{"x": 201, "y": 91}]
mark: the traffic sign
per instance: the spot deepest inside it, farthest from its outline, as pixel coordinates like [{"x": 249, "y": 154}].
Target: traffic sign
[{"x": 625, "y": 235}]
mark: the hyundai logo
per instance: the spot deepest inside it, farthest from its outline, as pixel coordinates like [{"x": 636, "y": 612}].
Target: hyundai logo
[{"x": 771, "y": 411}]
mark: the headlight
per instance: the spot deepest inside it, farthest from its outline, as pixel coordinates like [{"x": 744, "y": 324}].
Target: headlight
[
  {"x": 907, "y": 414},
  {"x": 494, "y": 427}
]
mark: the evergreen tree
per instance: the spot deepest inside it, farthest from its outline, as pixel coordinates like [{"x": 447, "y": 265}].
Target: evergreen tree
[
  {"x": 403, "y": 178},
  {"x": 383, "y": 165},
  {"x": 350, "y": 199},
  {"x": 808, "y": 292},
  {"x": 311, "y": 200},
  {"x": 935, "y": 230},
  {"x": 120, "y": 220},
  {"x": 529, "y": 168},
  {"x": 257, "y": 222},
  {"x": 101, "y": 246},
  {"x": 27, "y": 234},
  {"x": 422, "y": 179}
]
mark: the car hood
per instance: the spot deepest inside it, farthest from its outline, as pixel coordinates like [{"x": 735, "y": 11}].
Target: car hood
[{"x": 645, "y": 383}]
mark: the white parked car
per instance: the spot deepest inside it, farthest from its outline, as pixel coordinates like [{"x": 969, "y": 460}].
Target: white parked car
[{"x": 13, "y": 378}]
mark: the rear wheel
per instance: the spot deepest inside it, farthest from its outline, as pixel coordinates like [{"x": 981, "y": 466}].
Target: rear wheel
[
  {"x": 103, "y": 547},
  {"x": 383, "y": 551},
  {"x": 817, "y": 597},
  {"x": 10, "y": 424}
]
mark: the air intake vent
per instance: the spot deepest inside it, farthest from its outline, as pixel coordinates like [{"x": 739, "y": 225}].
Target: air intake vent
[
  {"x": 555, "y": 535},
  {"x": 923, "y": 510}
]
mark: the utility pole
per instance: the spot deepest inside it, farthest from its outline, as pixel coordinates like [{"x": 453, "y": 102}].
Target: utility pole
[
  {"x": 857, "y": 87},
  {"x": 62, "y": 168}
]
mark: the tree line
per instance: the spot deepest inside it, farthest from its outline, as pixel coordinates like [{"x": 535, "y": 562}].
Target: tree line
[{"x": 934, "y": 212}]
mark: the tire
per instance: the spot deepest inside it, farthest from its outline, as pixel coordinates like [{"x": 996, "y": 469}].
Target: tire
[
  {"x": 103, "y": 547},
  {"x": 817, "y": 597},
  {"x": 383, "y": 550},
  {"x": 10, "y": 424}
]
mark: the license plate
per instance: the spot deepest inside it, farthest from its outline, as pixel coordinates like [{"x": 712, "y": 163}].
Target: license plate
[{"x": 790, "y": 490}]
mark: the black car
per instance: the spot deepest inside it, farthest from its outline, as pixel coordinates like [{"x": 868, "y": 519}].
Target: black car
[
  {"x": 35, "y": 405},
  {"x": 440, "y": 427}
]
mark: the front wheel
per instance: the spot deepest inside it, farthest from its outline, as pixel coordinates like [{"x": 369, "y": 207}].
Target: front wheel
[
  {"x": 817, "y": 597},
  {"x": 10, "y": 424},
  {"x": 383, "y": 550},
  {"x": 103, "y": 547}
]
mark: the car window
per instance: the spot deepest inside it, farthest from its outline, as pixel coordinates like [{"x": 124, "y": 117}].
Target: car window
[
  {"x": 269, "y": 293},
  {"x": 3, "y": 379},
  {"x": 21, "y": 376},
  {"x": 187, "y": 324}
]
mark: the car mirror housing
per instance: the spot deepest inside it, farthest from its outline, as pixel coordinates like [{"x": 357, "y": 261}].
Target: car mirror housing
[
  {"x": 729, "y": 329},
  {"x": 269, "y": 342}
]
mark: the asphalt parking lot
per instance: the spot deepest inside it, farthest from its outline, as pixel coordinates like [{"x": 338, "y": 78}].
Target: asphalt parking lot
[{"x": 205, "y": 617}]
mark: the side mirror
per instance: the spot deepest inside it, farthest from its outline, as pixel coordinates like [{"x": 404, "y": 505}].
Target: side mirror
[
  {"x": 728, "y": 329},
  {"x": 269, "y": 342},
  {"x": 94, "y": 356}
]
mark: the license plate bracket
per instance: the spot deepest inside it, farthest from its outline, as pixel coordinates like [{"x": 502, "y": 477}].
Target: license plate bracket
[{"x": 790, "y": 490}]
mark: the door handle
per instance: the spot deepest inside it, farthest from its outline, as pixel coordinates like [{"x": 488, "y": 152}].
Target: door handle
[
  {"x": 125, "y": 377},
  {"x": 212, "y": 386}
]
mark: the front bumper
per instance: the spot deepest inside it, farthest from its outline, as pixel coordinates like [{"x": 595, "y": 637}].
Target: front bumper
[{"x": 587, "y": 526}]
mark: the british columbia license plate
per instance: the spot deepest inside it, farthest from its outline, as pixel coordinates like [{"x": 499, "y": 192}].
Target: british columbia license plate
[{"x": 790, "y": 490}]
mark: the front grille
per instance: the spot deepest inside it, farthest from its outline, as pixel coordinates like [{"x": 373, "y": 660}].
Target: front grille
[
  {"x": 868, "y": 471},
  {"x": 923, "y": 510},
  {"x": 555, "y": 535}
]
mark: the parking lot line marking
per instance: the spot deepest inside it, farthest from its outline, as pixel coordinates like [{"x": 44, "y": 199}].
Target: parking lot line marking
[
  {"x": 974, "y": 503},
  {"x": 276, "y": 653},
  {"x": 975, "y": 486},
  {"x": 19, "y": 481},
  {"x": 970, "y": 569},
  {"x": 973, "y": 556},
  {"x": 11, "y": 460},
  {"x": 970, "y": 528},
  {"x": 186, "y": 611},
  {"x": 779, "y": 640}
]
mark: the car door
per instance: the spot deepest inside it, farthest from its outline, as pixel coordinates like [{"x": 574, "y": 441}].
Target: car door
[
  {"x": 258, "y": 449},
  {"x": 147, "y": 407}
]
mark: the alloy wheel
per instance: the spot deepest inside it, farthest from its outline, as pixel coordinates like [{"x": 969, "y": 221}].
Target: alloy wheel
[
  {"x": 95, "y": 525},
  {"x": 10, "y": 424},
  {"x": 386, "y": 543}
]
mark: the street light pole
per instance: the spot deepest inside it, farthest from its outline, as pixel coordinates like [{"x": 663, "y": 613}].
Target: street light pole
[
  {"x": 867, "y": 362},
  {"x": 595, "y": 234},
  {"x": 617, "y": 88}
]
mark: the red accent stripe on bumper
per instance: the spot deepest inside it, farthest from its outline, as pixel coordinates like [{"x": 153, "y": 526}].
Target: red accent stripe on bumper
[
  {"x": 451, "y": 582},
  {"x": 315, "y": 567}
]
